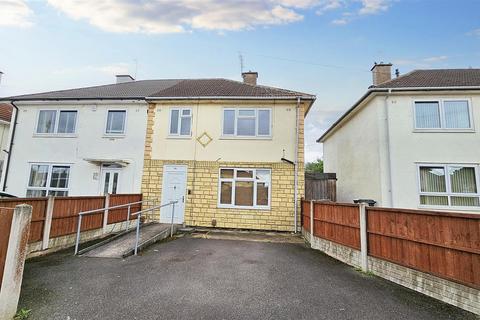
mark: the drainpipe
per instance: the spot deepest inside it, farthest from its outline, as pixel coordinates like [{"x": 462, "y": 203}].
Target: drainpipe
[
  {"x": 389, "y": 150},
  {"x": 295, "y": 196},
  {"x": 9, "y": 153}
]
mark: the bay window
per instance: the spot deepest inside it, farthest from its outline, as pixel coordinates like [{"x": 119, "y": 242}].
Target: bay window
[
  {"x": 242, "y": 122},
  {"x": 443, "y": 114},
  {"x": 449, "y": 185},
  {"x": 48, "y": 179},
  {"x": 244, "y": 188},
  {"x": 56, "y": 122}
]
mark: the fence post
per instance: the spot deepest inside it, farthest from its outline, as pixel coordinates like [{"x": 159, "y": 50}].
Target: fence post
[
  {"x": 47, "y": 227},
  {"x": 105, "y": 213},
  {"x": 15, "y": 261},
  {"x": 363, "y": 237},
  {"x": 311, "y": 221}
]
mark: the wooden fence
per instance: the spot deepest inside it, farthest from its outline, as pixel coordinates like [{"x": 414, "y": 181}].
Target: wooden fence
[
  {"x": 65, "y": 213},
  {"x": 320, "y": 186},
  {"x": 443, "y": 244},
  {"x": 6, "y": 218}
]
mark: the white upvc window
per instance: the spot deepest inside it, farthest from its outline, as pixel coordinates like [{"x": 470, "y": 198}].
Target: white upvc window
[
  {"x": 116, "y": 122},
  {"x": 449, "y": 185},
  {"x": 443, "y": 114},
  {"x": 180, "y": 123},
  {"x": 61, "y": 122},
  {"x": 244, "y": 188},
  {"x": 48, "y": 180},
  {"x": 245, "y": 122}
]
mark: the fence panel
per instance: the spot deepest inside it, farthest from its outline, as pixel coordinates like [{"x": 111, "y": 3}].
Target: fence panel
[
  {"x": 39, "y": 209},
  {"x": 337, "y": 222},
  {"x": 118, "y": 215},
  {"x": 443, "y": 244},
  {"x": 320, "y": 186},
  {"x": 306, "y": 215},
  {"x": 6, "y": 216}
]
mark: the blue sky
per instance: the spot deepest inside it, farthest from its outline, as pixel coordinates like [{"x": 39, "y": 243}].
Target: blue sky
[{"x": 323, "y": 47}]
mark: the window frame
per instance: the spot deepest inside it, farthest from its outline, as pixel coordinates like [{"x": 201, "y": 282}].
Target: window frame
[
  {"x": 180, "y": 116},
  {"x": 116, "y": 134},
  {"x": 448, "y": 186},
  {"x": 233, "y": 181},
  {"x": 235, "y": 126},
  {"x": 57, "y": 121},
  {"x": 441, "y": 108},
  {"x": 48, "y": 188}
]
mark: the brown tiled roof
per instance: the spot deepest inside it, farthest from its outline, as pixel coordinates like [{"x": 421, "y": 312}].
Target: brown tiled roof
[
  {"x": 435, "y": 78},
  {"x": 172, "y": 88},
  {"x": 6, "y": 110}
]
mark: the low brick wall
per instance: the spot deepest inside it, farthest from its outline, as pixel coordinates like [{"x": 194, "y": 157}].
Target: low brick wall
[{"x": 450, "y": 292}]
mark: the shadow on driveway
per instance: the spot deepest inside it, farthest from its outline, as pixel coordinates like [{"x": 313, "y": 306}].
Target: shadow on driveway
[{"x": 191, "y": 278}]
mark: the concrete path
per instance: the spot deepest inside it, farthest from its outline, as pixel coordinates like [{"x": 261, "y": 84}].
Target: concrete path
[
  {"x": 191, "y": 278},
  {"x": 124, "y": 245}
]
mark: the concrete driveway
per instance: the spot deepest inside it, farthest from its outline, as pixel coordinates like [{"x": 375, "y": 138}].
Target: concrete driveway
[{"x": 191, "y": 278}]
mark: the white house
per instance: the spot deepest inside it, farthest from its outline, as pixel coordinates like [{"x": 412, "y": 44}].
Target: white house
[
  {"x": 410, "y": 142},
  {"x": 5, "y": 119}
]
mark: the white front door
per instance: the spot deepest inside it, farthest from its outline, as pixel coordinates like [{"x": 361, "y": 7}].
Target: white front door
[
  {"x": 110, "y": 180},
  {"x": 174, "y": 188}
]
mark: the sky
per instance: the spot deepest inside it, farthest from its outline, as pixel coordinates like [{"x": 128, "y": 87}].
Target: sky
[{"x": 321, "y": 47}]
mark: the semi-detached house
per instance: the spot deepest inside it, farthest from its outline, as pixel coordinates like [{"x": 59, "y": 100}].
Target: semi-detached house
[{"x": 230, "y": 152}]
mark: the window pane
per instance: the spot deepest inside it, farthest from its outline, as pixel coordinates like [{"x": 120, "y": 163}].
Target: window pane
[
  {"x": 246, "y": 126},
  {"x": 46, "y": 121},
  {"x": 264, "y": 122},
  {"x": 116, "y": 121},
  {"x": 229, "y": 122},
  {"x": 106, "y": 183},
  {"x": 432, "y": 179},
  {"x": 246, "y": 113},
  {"x": 226, "y": 193},
  {"x": 427, "y": 115},
  {"x": 174, "y": 121},
  {"x": 38, "y": 176},
  {"x": 465, "y": 201},
  {"x": 36, "y": 193},
  {"x": 226, "y": 173},
  {"x": 185, "y": 126},
  {"x": 115, "y": 183},
  {"x": 66, "y": 121},
  {"x": 185, "y": 112},
  {"x": 434, "y": 200},
  {"x": 244, "y": 193},
  {"x": 244, "y": 174},
  {"x": 262, "y": 193},
  {"x": 263, "y": 175},
  {"x": 59, "y": 177},
  {"x": 58, "y": 193},
  {"x": 462, "y": 179},
  {"x": 456, "y": 114}
]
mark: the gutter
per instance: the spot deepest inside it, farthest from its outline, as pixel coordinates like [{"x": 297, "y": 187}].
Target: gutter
[
  {"x": 390, "y": 90},
  {"x": 234, "y": 98},
  {"x": 389, "y": 150},
  {"x": 9, "y": 154}
]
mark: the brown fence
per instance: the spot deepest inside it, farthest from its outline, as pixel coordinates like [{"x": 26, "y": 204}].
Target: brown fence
[
  {"x": 5, "y": 225},
  {"x": 65, "y": 213},
  {"x": 320, "y": 186},
  {"x": 443, "y": 244}
]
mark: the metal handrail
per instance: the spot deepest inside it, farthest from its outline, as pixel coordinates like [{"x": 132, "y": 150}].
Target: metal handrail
[
  {"x": 139, "y": 214},
  {"x": 83, "y": 213}
]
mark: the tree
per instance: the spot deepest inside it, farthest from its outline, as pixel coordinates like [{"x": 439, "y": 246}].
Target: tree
[{"x": 316, "y": 166}]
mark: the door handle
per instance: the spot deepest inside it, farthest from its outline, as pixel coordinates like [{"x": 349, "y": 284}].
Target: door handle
[{"x": 183, "y": 199}]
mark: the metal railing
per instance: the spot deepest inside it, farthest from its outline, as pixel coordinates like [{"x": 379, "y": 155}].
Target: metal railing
[
  {"x": 139, "y": 215},
  {"x": 106, "y": 209}
]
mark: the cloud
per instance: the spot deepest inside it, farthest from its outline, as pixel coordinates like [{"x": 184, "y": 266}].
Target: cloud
[
  {"x": 435, "y": 59},
  {"x": 340, "y": 22},
  {"x": 15, "y": 13},
  {"x": 110, "y": 69},
  {"x": 167, "y": 16},
  {"x": 353, "y": 9},
  {"x": 373, "y": 6},
  {"x": 426, "y": 62},
  {"x": 475, "y": 33}
]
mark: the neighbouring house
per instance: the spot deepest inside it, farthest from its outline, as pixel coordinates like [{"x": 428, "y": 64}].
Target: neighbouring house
[
  {"x": 410, "y": 142},
  {"x": 5, "y": 119},
  {"x": 230, "y": 152}
]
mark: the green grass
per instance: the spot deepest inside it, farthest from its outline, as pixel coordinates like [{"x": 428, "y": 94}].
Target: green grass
[{"x": 22, "y": 314}]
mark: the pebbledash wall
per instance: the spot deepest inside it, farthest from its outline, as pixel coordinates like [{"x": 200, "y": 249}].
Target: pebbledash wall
[{"x": 201, "y": 206}]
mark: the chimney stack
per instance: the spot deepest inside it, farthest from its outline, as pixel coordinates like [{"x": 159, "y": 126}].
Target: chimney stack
[
  {"x": 250, "y": 78},
  {"x": 122, "y": 78},
  {"x": 381, "y": 72}
]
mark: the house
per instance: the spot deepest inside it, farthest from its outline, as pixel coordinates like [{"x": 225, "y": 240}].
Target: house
[
  {"x": 410, "y": 142},
  {"x": 230, "y": 152},
  {"x": 5, "y": 119}
]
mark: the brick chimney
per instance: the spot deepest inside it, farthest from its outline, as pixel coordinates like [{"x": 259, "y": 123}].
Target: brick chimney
[
  {"x": 122, "y": 78},
  {"x": 250, "y": 78},
  {"x": 381, "y": 72}
]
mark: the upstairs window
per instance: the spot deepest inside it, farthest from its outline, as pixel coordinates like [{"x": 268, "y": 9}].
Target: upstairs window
[
  {"x": 48, "y": 180},
  {"x": 116, "y": 121},
  {"x": 247, "y": 122},
  {"x": 444, "y": 114},
  {"x": 56, "y": 122},
  {"x": 180, "y": 122}
]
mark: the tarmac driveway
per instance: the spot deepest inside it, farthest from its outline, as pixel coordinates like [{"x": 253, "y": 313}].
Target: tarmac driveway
[{"x": 191, "y": 278}]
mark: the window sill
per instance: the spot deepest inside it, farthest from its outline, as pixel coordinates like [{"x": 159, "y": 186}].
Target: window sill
[
  {"x": 242, "y": 207},
  {"x": 55, "y": 135},
  {"x": 448, "y": 208},
  {"x": 245, "y": 138},
  {"x": 444, "y": 130},
  {"x": 179, "y": 137},
  {"x": 113, "y": 136}
]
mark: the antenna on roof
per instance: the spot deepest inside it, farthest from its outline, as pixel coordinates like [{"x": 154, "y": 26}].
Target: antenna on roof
[
  {"x": 136, "y": 67},
  {"x": 240, "y": 57}
]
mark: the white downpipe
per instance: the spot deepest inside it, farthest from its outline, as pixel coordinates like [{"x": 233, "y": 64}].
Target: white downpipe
[
  {"x": 295, "y": 196},
  {"x": 389, "y": 149}
]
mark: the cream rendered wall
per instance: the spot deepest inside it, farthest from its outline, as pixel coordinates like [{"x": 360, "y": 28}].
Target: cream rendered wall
[
  {"x": 356, "y": 154},
  {"x": 410, "y": 147},
  {"x": 207, "y": 117},
  {"x": 89, "y": 142}
]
